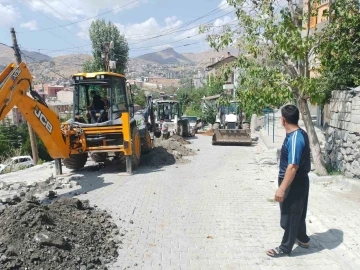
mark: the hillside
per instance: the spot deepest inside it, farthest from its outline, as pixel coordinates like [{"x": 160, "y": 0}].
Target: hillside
[
  {"x": 7, "y": 56},
  {"x": 203, "y": 58},
  {"x": 164, "y": 57}
]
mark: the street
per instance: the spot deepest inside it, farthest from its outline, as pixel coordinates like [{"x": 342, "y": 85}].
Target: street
[{"x": 217, "y": 212}]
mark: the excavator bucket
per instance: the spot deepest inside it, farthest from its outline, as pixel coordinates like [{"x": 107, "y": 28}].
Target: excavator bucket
[{"x": 232, "y": 137}]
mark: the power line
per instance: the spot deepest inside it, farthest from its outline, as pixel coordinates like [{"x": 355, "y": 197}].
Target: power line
[
  {"x": 171, "y": 32},
  {"x": 134, "y": 49},
  {"x": 87, "y": 19},
  {"x": 50, "y": 20},
  {"x": 82, "y": 30},
  {"x": 39, "y": 63}
]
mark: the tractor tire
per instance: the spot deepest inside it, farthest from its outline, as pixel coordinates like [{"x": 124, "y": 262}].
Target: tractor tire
[
  {"x": 186, "y": 129},
  {"x": 76, "y": 162},
  {"x": 146, "y": 143},
  {"x": 157, "y": 134},
  {"x": 181, "y": 129},
  {"x": 99, "y": 157},
  {"x": 136, "y": 152},
  {"x": 136, "y": 147}
]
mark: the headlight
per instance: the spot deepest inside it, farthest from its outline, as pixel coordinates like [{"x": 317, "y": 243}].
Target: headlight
[{"x": 102, "y": 76}]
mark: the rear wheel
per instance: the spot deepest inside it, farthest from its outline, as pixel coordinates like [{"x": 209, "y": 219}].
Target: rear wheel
[
  {"x": 76, "y": 162},
  {"x": 146, "y": 143},
  {"x": 181, "y": 129},
  {"x": 136, "y": 148}
]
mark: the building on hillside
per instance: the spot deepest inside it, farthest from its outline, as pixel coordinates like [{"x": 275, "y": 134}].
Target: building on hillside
[
  {"x": 215, "y": 68},
  {"x": 14, "y": 117},
  {"x": 65, "y": 96},
  {"x": 53, "y": 89}
]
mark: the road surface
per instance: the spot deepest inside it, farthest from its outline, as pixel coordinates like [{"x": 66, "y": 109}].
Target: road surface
[{"x": 216, "y": 212}]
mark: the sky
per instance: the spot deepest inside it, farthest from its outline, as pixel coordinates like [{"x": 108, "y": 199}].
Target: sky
[{"x": 57, "y": 27}]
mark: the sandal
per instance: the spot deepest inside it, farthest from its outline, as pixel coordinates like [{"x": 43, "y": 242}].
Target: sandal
[
  {"x": 276, "y": 253},
  {"x": 303, "y": 245}
]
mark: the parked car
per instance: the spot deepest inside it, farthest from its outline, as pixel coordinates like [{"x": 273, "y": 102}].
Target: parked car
[{"x": 16, "y": 163}]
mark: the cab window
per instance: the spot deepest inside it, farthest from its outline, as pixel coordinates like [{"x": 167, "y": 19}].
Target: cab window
[{"x": 119, "y": 101}]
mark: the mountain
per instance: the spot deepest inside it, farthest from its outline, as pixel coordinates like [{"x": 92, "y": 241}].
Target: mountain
[
  {"x": 7, "y": 56},
  {"x": 164, "y": 57}
]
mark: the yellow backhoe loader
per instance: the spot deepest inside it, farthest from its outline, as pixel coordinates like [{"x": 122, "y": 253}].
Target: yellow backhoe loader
[{"x": 108, "y": 129}]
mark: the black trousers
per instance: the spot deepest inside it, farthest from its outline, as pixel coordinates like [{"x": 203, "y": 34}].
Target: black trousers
[{"x": 293, "y": 213}]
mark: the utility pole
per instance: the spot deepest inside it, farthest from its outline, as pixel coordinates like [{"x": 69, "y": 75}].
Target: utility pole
[{"x": 17, "y": 54}]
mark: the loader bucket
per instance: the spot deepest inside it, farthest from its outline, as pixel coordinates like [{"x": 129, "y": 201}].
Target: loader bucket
[{"x": 231, "y": 137}]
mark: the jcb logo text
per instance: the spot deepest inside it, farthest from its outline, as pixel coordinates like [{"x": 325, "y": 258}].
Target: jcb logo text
[{"x": 39, "y": 114}]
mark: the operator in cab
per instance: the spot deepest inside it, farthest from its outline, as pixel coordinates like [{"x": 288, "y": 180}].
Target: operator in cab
[{"x": 97, "y": 106}]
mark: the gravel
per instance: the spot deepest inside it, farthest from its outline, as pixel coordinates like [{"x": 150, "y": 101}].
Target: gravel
[{"x": 66, "y": 234}]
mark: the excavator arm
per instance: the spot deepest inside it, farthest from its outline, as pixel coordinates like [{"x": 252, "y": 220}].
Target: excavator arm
[{"x": 14, "y": 84}]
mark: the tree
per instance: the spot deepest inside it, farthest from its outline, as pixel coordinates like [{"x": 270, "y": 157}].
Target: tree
[
  {"x": 100, "y": 32},
  {"x": 339, "y": 48},
  {"x": 275, "y": 33},
  {"x": 140, "y": 98}
]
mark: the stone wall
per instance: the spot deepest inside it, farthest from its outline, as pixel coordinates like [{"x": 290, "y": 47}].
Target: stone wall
[{"x": 342, "y": 133}]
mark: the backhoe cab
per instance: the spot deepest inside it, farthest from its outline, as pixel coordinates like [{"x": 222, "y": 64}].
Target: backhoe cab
[
  {"x": 170, "y": 112},
  {"x": 102, "y": 122},
  {"x": 230, "y": 126}
]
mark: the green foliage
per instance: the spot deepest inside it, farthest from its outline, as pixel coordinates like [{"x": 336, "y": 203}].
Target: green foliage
[
  {"x": 140, "y": 98},
  {"x": 276, "y": 55},
  {"x": 100, "y": 32},
  {"x": 339, "y": 47},
  {"x": 261, "y": 86},
  {"x": 190, "y": 99},
  {"x": 15, "y": 141}
]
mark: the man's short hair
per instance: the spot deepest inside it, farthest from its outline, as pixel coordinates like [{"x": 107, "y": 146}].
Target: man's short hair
[
  {"x": 291, "y": 114},
  {"x": 93, "y": 92}
]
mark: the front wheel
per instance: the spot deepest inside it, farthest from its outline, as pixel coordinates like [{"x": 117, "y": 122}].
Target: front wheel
[
  {"x": 136, "y": 147},
  {"x": 76, "y": 162}
]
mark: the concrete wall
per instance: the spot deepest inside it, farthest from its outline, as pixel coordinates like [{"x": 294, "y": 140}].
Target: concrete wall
[{"x": 343, "y": 133}]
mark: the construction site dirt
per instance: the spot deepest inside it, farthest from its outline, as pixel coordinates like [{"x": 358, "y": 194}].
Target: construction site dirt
[
  {"x": 65, "y": 234},
  {"x": 42, "y": 230}
]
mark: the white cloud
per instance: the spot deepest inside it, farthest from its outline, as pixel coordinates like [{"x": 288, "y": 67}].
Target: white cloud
[
  {"x": 75, "y": 10},
  {"x": 223, "y": 5},
  {"x": 31, "y": 25},
  {"x": 8, "y": 15}
]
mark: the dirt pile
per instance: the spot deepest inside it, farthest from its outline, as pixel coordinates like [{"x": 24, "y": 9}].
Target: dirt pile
[
  {"x": 66, "y": 234},
  {"x": 167, "y": 152}
]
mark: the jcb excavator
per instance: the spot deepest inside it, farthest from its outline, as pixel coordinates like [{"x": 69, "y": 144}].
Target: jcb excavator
[
  {"x": 108, "y": 131},
  {"x": 230, "y": 126}
]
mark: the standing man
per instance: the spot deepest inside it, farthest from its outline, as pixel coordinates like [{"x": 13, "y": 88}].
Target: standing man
[{"x": 293, "y": 190}]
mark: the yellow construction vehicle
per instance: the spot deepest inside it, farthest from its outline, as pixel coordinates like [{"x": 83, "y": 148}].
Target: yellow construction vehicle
[{"x": 101, "y": 132}]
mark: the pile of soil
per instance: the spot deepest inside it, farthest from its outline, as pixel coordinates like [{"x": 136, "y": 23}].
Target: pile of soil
[
  {"x": 209, "y": 132},
  {"x": 66, "y": 234},
  {"x": 167, "y": 152}
]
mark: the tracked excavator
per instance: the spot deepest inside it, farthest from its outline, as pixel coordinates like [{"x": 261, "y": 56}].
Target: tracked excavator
[
  {"x": 230, "y": 127},
  {"x": 101, "y": 132}
]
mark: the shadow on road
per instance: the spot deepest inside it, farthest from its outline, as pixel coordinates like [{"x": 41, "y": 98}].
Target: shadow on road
[
  {"x": 191, "y": 138},
  {"x": 328, "y": 240}
]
